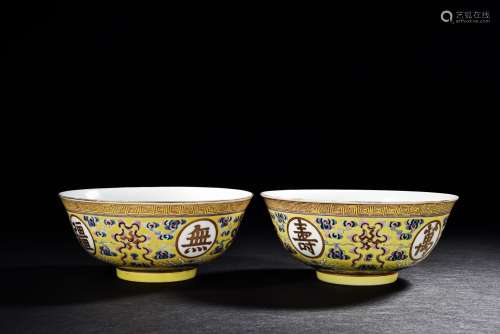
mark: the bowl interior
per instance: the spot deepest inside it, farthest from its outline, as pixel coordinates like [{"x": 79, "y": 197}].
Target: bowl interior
[
  {"x": 358, "y": 196},
  {"x": 158, "y": 194}
]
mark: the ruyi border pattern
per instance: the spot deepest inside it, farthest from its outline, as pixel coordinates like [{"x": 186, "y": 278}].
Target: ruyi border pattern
[
  {"x": 154, "y": 209},
  {"x": 362, "y": 210}
]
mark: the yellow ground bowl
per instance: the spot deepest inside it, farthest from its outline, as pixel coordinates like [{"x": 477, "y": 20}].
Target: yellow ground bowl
[
  {"x": 359, "y": 237},
  {"x": 155, "y": 234}
]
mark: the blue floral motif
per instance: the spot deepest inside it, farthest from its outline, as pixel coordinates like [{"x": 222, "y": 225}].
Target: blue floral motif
[
  {"x": 163, "y": 255},
  {"x": 109, "y": 222},
  {"x": 394, "y": 225},
  {"x": 338, "y": 253},
  {"x": 350, "y": 224},
  {"x": 281, "y": 228},
  {"x": 224, "y": 221},
  {"x": 225, "y": 233},
  {"x": 165, "y": 236},
  {"x": 173, "y": 224},
  {"x": 413, "y": 224},
  {"x": 326, "y": 224},
  {"x": 397, "y": 256},
  {"x": 104, "y": 250},
  {"x": 134, "y": 256},
  {"x": 237, "y": 219},
  {"x": 281, "y": 217},
  {"x": 101, "y": 234},
  {"x": 218, "y": 249},
  {"x": 405, "y": 236},
  {"x": 272, "y": 215},
  {"x": 152, "y": 225},
  {"x": 91, "y": 220},
  {"x": 368, "y": 257},
  {"x": 337, "y": 236}
]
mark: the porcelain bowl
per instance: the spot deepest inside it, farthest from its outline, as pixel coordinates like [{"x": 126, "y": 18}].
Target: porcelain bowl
[
  {"x": 359, "y": 237},
  {"x": 155, "y": 234}
]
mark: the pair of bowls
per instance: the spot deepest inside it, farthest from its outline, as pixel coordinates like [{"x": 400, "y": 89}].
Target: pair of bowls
[{"x": 351, "y": 237}]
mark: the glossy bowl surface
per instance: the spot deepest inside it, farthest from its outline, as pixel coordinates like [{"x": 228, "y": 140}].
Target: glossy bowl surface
[
  {"x": 155, "y": 234},
  {"x": 359, "y": 237}
]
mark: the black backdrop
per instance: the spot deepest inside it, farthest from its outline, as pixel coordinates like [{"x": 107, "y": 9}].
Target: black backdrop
[
  {"x": 257, "y": 97},
  {"x": 251, "y": 97}
]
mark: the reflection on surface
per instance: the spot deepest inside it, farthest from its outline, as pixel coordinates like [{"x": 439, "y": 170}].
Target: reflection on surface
[
  {"x": 279, "y": 288},
  {"x": 266, "y": 288},
  {"x": 64, "y": 285}
]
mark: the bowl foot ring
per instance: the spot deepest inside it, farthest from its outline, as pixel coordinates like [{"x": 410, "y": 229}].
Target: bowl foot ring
[
  {"x": 155, "y": 276},
  {"x": 354, "y": 279}
]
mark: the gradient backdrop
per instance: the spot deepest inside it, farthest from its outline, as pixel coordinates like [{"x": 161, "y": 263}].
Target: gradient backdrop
[
  {"x": 252, "y": 97},
  {"x": 255, "y": 97}
]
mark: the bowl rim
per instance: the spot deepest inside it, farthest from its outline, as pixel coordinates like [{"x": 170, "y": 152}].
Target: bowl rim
[
  {"x": 281, "y": 195},
  {"x": 72, "y": 195}
]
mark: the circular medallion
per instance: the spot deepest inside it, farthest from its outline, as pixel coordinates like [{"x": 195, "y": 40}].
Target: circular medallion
[
  {"x": 82, "y": 234},
  {"x": 196, "y": 238},
  {"x": 425, "y": 240},
  {"x": 305, "y": 237}
]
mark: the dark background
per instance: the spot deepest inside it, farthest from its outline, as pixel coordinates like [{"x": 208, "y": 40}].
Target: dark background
[
  {"x": 252, "y": 97},
  {"x": 249, "y": 96}
]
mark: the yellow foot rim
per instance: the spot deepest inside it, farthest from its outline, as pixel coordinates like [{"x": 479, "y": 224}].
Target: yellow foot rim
[
  {"x": 155, "y": 276},
  {"x": 353, "y": 279}
]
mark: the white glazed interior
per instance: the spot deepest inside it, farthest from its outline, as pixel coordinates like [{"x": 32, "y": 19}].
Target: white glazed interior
[
  {"x": 158, "y": 194},
  {"x": 343, "y": 196}
]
